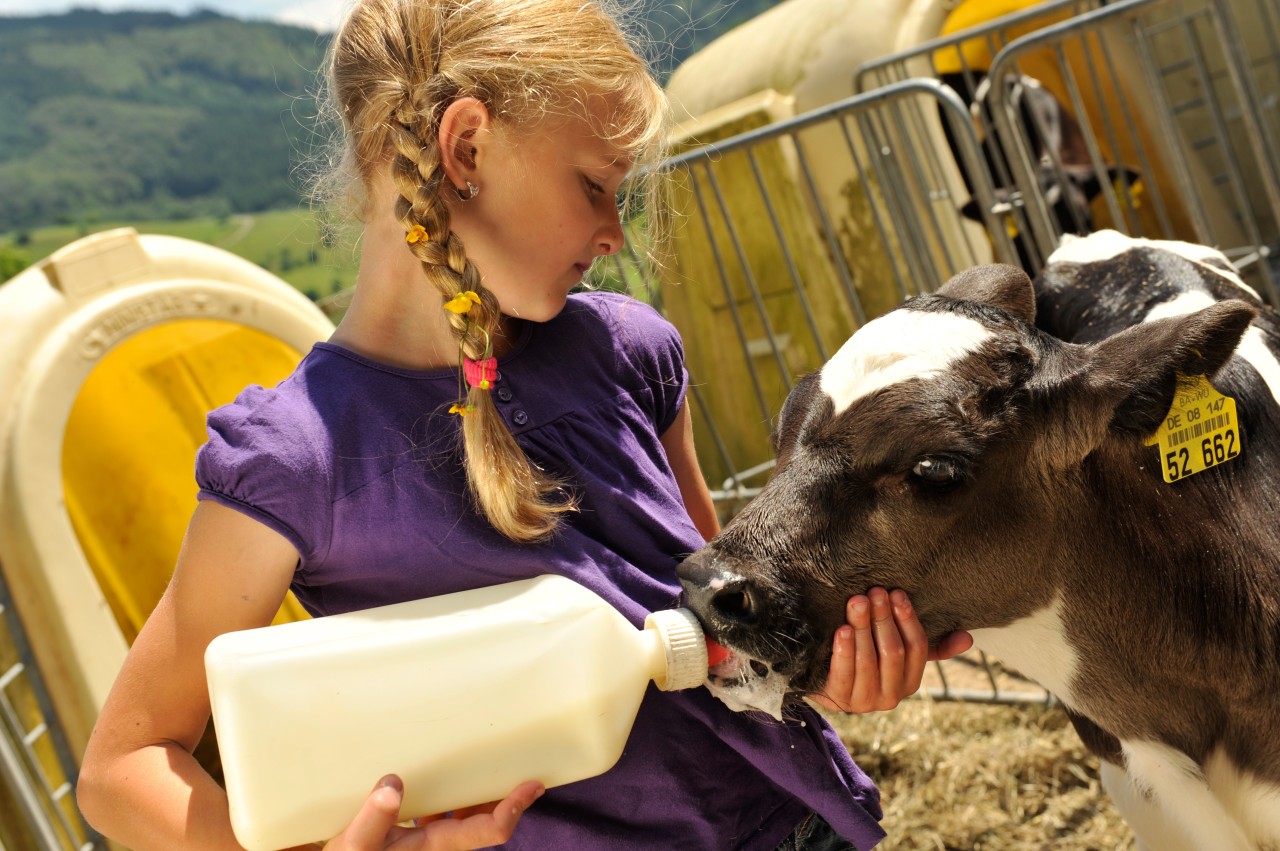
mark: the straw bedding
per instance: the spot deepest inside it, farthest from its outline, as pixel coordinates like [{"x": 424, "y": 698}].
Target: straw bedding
[{"x": 982, "y": 777}]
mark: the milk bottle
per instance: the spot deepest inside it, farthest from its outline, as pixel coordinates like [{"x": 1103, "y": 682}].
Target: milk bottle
[{"x": 463, "y": 695}]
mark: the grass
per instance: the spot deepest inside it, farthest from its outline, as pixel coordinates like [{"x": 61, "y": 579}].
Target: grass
[{"x": 287, "y": 243}]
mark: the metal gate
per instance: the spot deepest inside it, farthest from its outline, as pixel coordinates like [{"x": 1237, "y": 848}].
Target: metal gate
[
  {"x": 37, "y": 772},
  {"x": 787, "y": 238},
  {"x": 1176, "y": 107},
  {"x": 1178, "y": 115}
]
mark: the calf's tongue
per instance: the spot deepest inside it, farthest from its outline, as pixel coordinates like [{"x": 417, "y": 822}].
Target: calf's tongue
[
  {"x": 744, "y": 693},
  {"x": 716, "y": 653}
]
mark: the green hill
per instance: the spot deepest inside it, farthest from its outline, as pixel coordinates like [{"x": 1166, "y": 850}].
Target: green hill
[{"x": 149, "y": 115}]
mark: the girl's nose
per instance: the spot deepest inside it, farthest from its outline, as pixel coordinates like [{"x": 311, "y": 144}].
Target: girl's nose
[{"x": 610, "y": 237}]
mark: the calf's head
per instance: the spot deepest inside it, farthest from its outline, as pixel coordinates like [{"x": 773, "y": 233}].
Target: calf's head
[{"x": 947, "y": 449}]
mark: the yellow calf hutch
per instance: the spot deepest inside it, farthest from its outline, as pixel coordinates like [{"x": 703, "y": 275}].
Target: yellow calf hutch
[{"x": 112, "y": 351}]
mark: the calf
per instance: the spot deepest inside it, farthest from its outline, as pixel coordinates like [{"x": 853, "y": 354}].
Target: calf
[
  {"x": 1066, "y": 180},
  {"x": 1003, "y": 477}
]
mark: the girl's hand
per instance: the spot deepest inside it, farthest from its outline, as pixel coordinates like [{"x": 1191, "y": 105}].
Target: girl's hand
[
  {"x": 878, "y": 658},
  {"x": 374, "y": 827}
]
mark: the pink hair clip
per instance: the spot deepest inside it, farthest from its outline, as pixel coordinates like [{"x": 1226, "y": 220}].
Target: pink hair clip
[{"x": 480, "y": 373}]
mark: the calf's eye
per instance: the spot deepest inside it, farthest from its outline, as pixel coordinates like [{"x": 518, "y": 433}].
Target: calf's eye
[{"x": 937, "y": 473}]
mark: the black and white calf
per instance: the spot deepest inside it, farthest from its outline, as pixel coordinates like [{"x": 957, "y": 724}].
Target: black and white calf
[
  {"x": 1003, "y": 477},
  {"x": 1066, "y": 180}
]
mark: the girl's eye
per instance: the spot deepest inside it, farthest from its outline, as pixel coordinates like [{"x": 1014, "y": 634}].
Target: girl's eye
[
  {"x": 594, "y": 187},
  {"x": 938, "y": 473}
]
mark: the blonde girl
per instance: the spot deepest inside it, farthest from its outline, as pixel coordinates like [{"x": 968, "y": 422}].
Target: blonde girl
[{"x": 471, "y": 422}]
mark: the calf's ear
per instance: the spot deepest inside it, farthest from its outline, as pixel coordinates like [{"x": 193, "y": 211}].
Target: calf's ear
[
  {"x": 1137, "y": 370},
  {"x": 997, "y": 284}
]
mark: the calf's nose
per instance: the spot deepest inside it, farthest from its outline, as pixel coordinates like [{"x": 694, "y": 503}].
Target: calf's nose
[{"x": 716, "y": 592}]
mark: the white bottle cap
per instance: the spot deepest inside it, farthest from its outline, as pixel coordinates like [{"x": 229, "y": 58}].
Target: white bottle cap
[{"x": 686, "y": 649}]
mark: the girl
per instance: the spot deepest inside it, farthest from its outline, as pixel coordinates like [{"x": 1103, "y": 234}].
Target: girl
[{"x": 470, "y": 423}]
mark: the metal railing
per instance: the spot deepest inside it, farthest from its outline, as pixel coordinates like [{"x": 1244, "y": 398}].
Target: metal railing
[
  {"x": 964, "y": 56},
  {"x": 1170, "y": 103},
  {"x": 1177, "y": 106},
  {"x": 962, "y": 60},
  {"x": 37, "y": 772}
]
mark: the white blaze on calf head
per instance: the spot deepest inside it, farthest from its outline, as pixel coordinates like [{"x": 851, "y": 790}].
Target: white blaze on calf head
[{"x": 898, "y": 346}]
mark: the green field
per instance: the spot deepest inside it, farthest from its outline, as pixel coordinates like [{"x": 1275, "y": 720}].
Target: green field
[{"x": 287, "y": 243}]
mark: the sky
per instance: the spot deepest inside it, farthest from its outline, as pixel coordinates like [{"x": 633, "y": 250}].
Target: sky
[{"x": 317, "y": 14}]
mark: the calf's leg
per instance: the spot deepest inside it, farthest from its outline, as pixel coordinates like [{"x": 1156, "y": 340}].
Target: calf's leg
[
  {"x": 1150, "y": 825},
  {"x": 1168, "y": 789}
]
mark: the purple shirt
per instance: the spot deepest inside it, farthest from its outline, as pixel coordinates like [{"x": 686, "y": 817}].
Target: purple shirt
[{"x": 358, "y": 465}]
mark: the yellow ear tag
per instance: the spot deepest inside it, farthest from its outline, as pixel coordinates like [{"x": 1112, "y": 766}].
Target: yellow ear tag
[
  {"x": 1200, "y": 431},
  {"x": 1011, "y": 227}
]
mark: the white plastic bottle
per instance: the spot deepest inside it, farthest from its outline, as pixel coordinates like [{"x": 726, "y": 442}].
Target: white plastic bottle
[{"x": 464, "y": 696}]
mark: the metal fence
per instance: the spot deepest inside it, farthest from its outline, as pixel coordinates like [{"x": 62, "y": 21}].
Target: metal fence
[
  {"x": 1176, "y": 110},
  {"x": 787, "y": 238},
  {"x": 961, "y": 58},
  {"x": 37, "y": 772},
  {"x": 1198, "y": 136}
]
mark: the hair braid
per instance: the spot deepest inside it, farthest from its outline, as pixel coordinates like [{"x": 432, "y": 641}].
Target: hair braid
[{"x": 520, "y": 500}]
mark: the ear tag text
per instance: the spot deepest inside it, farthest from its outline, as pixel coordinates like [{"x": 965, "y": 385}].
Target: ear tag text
[{"x": 1200, "y": 431}]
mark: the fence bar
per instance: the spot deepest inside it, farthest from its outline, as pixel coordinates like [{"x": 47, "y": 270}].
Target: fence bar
[
  {"x": 21, "y": 767},
  {"x": 1240, "y": 160}
]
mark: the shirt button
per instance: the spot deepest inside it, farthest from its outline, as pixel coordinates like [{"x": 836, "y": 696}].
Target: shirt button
[
  {"x": 504, "y": 394},
  {"x": 520, "y": 417}
]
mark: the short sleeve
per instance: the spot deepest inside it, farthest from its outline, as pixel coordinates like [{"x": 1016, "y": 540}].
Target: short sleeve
[
  {"x": 266, "y": 459},
  {"x": 654, "y": 347}
]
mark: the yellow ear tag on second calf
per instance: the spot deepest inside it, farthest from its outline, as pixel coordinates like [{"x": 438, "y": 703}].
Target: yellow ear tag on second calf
[{"x": 1200, "y": 431}]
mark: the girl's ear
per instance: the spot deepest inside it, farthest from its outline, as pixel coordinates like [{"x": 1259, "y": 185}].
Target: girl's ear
[{"x": 464, "y": 133}]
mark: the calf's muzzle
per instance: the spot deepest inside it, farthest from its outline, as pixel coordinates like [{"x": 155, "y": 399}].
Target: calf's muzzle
[{"x": 718, "y": 592}]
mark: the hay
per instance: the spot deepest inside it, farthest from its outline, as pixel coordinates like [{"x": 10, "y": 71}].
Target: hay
[{"x": 981, "y": 777}]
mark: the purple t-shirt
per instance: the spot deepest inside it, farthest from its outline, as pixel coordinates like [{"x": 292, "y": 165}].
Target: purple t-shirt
[{"x": 358, "y": 465}]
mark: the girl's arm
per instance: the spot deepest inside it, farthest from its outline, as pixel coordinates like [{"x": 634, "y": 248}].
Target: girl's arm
[
  {"x": 677, "y": 440},
  {"x": 139, "y": 783}
]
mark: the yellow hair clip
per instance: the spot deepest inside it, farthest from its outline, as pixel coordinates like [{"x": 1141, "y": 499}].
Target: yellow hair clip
[
  {"x": 417, "y": 233},
  {"x": 462, "y": 302},
  {"x": 460, "y": 410}
]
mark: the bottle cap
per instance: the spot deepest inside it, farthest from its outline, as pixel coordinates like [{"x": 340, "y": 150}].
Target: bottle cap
[{"x": 685, "y": 647}]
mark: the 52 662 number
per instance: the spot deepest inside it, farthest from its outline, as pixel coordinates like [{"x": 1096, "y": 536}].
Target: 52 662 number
[{"x": 1214, "y": 449}]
